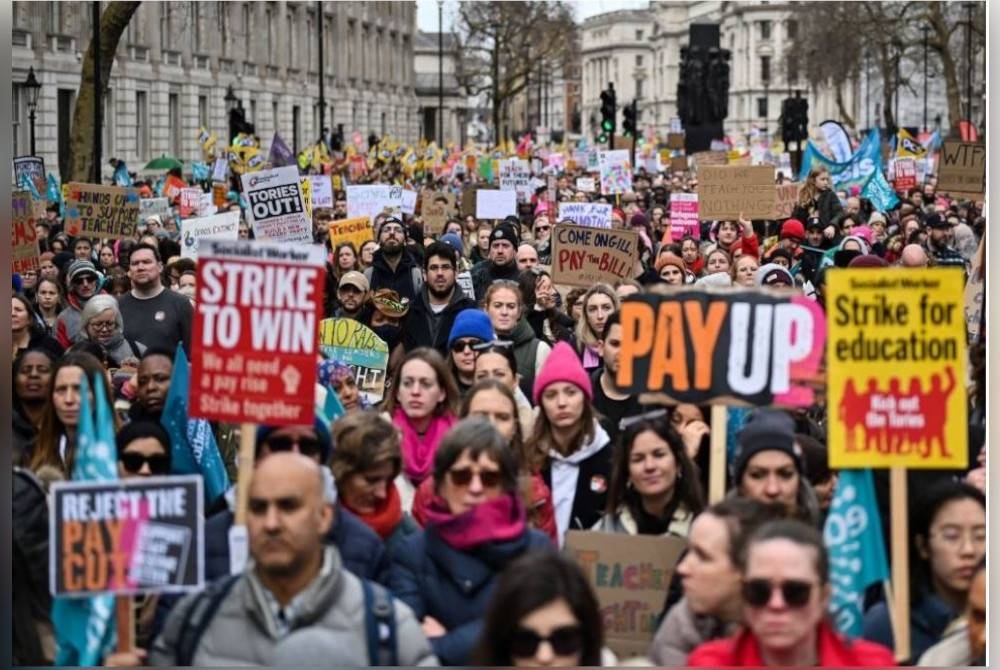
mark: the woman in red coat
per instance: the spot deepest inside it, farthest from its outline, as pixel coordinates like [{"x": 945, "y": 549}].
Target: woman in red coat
[{"x": 785, "y": 597}]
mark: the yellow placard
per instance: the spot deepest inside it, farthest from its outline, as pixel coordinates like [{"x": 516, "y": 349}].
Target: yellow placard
[
  {"x": 306, "y": 185},
  {"x": 357, "y": 230},
  {"x": 896, "y": 356}
]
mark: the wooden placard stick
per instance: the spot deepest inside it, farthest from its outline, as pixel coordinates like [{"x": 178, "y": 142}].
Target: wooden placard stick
[
  {"x": 717, "y": 455},
  {"x": 124, "y": 623},
  {"x": 900, "y": 598},
  {"x": 248, "y": 440}
]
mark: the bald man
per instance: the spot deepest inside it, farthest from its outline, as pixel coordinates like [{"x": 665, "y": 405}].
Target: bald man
[
  {"x": 294, "y": 582},
  {"x": 913, "y": 256},
  {"x": 527, "y": 256}
]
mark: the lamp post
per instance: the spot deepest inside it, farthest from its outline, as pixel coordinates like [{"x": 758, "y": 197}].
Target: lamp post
[
  {"x": 32, "y": 88},
  {"x": 440, "y": 74},
  {"x": 232, "y": 105},
  {"x": 969, "y": 6},
  {"x": 926, "y": 29}
]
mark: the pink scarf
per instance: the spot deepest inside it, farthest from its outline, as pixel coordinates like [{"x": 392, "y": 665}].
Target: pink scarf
[
  {"x": 418, "y": 451},
  {"x": 591, "y": 359},
  {"x": 498, "y": 520}
]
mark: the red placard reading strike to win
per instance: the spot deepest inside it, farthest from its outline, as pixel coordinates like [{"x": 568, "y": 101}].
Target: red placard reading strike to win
[{"x": 254, "y": 336}]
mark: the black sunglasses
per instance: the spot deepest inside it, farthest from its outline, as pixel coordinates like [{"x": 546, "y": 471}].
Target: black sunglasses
[
  {"x": 565, "y": 641},
  {"x": 463, "y": 477},
  {"x": 459, "y": 346},
  {"x": 795, "y": 593},
  {"x": 308, "y": 446},
  {"x": 159, "y": 464}
]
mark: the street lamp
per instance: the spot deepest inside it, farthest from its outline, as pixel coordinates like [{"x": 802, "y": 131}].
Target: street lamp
[
  {"x": 440, "y": 75},
  {"x": 969, "y": 7},
  {"x": 231, "y": 100},
  {"x": 898, "y": 46},
  {"x": 32, "y": 88}
]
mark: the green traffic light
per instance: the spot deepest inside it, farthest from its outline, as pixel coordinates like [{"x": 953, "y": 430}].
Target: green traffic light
[{"x": 602, "y": 138}]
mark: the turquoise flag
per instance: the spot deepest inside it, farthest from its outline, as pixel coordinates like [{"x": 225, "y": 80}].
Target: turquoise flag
[
  {"x": 28, "y": 184},
  {"x": 201, "y": 171},
  {"x": 121, "y": 176},
  {"x": 85, "y": 627},
  {"x": 853, "y": 537},
  {"x": 193, "y": 449},
  {"x": 855, "y": 171}
]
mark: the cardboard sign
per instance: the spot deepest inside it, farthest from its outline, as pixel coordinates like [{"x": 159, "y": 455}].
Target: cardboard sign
[
  {"x": 675, "y": 140},
  {"x": 220, "y": 170},
  {"x": 23, "y": 238},
  {"x": 678, "y": 163},
  {"x": 277, "y": 209},
  {"x": 357, "y": 345},
  {"x": 727, "y": 191},
  {"x": 436, "y": 208},
  {"x": 904, "y": 174},
  {"x": 33, "y": 168},
  {"x": 515, "y": 175},
  {"x": 586, "y": 184},
  {"x": 468, "y": 201},
  {"x": 495, "y": 204},
  {"x": 154, "y": 206},
  {"x": 630, "y": 575},
  {"x": 225, "y": 226},
  {"x": 585, "y": 256},
  {"x": 896, "y": 367},
  {"x": 590, "y": 214},
  {"x": 684, "y": 216},
  {"x": 141, "y": 535},
  {"x": 975, "y": 294},
  {"x": 322, "y": 190},
  {"x": 101, "y": 211},
  {"x": 254, "y": 332},
  {"x": 616, "y": 172},
  {"x": 703, "y": 158},
  {"x": 220, "y": 194},
  {"x": 357, "y": 231},
  {"x": 962, "y": 169},
  {"x": 785, "y": 197},
  {"x": 722, "y": 346},
  {"x": 372, "y": 200}
]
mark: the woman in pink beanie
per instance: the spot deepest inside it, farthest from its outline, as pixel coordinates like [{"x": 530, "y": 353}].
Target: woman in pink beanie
[{"x": 568, "y": 446}]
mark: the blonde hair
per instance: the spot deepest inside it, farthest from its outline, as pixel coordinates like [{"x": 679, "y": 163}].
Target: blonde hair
[
  {"x": 585, "y": 336},
  {"x": 808, "y": 192}
]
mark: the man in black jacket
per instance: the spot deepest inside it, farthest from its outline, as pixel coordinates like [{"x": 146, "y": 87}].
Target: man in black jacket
[
  {"x": 433, "y": 312},
  {"x": 502, "y": 263},
  {"x": 393, "y": 266}
]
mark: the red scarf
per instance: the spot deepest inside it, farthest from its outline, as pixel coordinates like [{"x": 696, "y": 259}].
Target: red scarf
[
  {"x": 498, "y": 520},
  {"x": 418, "y": 451},
  {"x": 384, "y": 519}
]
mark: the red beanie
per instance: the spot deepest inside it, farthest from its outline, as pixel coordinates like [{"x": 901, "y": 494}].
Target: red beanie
[
  {"x": 794, "y": 229},
  {"x": 562, "y": 365}
]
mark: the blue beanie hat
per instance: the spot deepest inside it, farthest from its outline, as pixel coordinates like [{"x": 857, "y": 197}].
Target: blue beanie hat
[
  {"x": 471, "y": 322},
  {"x": 454, "y": 241},
  {"x": 322, "y": 433}
]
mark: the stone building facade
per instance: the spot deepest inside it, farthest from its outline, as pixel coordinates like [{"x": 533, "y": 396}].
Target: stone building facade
[{"x": 426, "y": 70}]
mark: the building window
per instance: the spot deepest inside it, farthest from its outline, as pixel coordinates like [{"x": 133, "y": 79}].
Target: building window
[
  {"x": 765, "y": 69},
  {"x": 793, "y": 71},
  {"x": 638, "y": 61},
  {"x": 20, "y": 146},
  {"x": 765, "y": 29},
  {"x": 203, "y": 111},
  {"x": 762, "y": 107},
  {"x": 638, "y": 87},
  {"x": 792, "y": 28},
  {"x": 174, "y": 123},
  {"x": 141, "y": 125},
  {"x": 246, "y": 28},
  {"x": 274, "y": 117},
  {"x": 292, "y": 38},
  {"x": 638, "y": 36},
  {"x": 223, "y": 9},
  {"x": 253, "y": 112},
  {"x": 196, "y": 26}
]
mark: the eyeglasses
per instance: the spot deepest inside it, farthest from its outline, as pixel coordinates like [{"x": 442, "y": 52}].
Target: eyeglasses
[
  {"x": 84, "y": 279},
  {"x": 499, "y": 344},
  {"x": 795, "y": 593},
  {"x": 308, "y": 446},
  {"x": 461, "y": 345},
  {"x": 490, "y": 479},
  {"x": 103, "y": 325},
  {"x": 132, "y": 461},
  {"x": 954, "y": 536},
  {"x": 564, "y": 641},
  {"x": 542, "y": 229}
]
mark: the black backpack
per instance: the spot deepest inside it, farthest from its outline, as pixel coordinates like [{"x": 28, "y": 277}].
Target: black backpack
[{"x": 380, "y": 622}]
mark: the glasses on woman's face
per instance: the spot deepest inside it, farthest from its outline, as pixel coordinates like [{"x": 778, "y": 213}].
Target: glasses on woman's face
[
  {"x": 133, "y": 461},
  {"x": 565, "y": 641},
  {"x": 954, "y": 537},
  {"x": 462, "y": 477},
  {"x": 102, "y": 326},
  {"x": 794, "y": 592},
  {"x": 84, "y": 279},
  {"x": 460, "y": 346}
]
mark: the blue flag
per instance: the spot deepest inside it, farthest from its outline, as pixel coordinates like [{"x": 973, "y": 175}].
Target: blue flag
[
  {"x": 853, "y": 537},
  {"x": 855, "y": 171},
  {"x": 121, "y": 176},
  {"x": 158, "y": 186},
  {"x": 201, "y": 171},
  {"x": 193, "y": 449},
  {"x": 85, "y": 627},
  {"x": 28, "y": 184},
  {"x": 280, "y": 155}
]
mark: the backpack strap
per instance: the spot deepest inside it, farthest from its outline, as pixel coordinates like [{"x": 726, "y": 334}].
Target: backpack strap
[
  {"x": 380, "y": 625},
  {"x": 199, "y": 616}
]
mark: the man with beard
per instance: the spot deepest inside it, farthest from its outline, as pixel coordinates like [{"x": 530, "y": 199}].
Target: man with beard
[
  {"x": 351, "y": 294},
  {"x": 502, "y": 261},
  {"x": 433, "y": 312},
  {"x": 152, "y": 382},
  {"x": 393, "y": 267},
  {"x": 542, "y": 232},
  {"x": 937, "y": 243}
]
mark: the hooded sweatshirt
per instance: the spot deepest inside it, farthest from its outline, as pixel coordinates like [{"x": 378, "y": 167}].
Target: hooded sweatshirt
[
  {"x": 575, "y": 509},
  {"x": 529, "y": 352}
]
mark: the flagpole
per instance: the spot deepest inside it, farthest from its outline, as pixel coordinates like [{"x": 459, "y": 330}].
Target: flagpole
[
  {"x": 900, "y": 563},
  {"x": 125, "y": 623}
]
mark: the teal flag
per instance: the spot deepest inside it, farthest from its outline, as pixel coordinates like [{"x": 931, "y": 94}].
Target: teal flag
[
  {"x": 855, "y": 171},
  {"x": 28, "y": 184},
  {"x": 85, "y": 627},
  {"x": 201, "y": 171},
  {"x": 853, "y": 537},
  {"x": 121, "y": 176}
]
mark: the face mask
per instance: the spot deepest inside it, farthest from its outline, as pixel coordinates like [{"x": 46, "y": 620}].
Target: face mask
[
  {"x": 186, "y": 291},
  {"x": 389, "y": 334}
]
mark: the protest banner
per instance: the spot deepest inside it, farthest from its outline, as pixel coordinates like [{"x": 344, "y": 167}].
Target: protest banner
[
  {"x": 225, "y": 226},
  {"x": 154, "y": 207},
  {"x": 962, "y": 169},
  {"x": 785, "y": 197},
  {"x": 220, "y": 170},
  {"x": 190, "y": 197},
  {"x": 675, "y": 140},
  {"x": 408, "y": 202},
  {"x": 727, "y": 191},
  {"x": 33, "y": 168},
  {"x": 584, "y": 256},
  {"x": 374, "y": 199},
  {"x": 23, "y": 238},
  {"x": 678, "y": 163},
  {"x": 515, "y": 175},
  {"x": 684, "y": 216},
  {"x": 436, "y": 207},
  {"x": 357, "y": 345},
  {"x": 630, "y": 575},
  {"x": 357, "y": 231},
  {"x": 616, "y": 171},
  {"x": 141, "y": 535},
  {"x": 590, "y": 214},
  {"x": 277, "y": 209},
  {"x": 322, "y": 190},
  {"x": 254, "y": 332},
  {"x": 101, "y": 211},
  {"x": 975, "y": 294},
  {"x": 904, "y": 174},
  {"x": 703, "y": 158},
  {"x": 305, "y": 184},
  {"x": 896, "y": 367},
  {"x": 586, "y": 184},
  {"x": 492, "y": 204}
]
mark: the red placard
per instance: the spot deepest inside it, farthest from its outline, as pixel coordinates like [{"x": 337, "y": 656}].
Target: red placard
[
  {"x": 254, "y": 339},
  {"x": 905, "y": 174}
]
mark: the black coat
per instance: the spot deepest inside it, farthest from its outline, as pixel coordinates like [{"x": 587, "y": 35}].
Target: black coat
[
  {"x": 592, "y": 484},
  {"x": 827, "y": 206},
  {"x": 399, "y": 280},
  {"x": 419, "y": 331}
]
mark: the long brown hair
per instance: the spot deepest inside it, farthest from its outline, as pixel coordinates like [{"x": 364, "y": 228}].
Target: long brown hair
[
  {"x": 45, "y": 450},
  {"x": 444, "y": 379},
  {"x": 808, "y": 193},
  {"x": 542, "y": 440},
  {"x": 517, "y": 441}
]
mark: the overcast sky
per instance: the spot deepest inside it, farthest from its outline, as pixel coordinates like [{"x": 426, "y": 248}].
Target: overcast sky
[{"x": 427, "y": 10}]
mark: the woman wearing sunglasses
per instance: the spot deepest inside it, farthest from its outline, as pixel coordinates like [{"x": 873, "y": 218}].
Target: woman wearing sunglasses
[
  {"x": 785, "y": 593},
  {"x": 471, "y": 328},
  {"x": 543, "y": 614},
  {"x": 476, "y": 525}
]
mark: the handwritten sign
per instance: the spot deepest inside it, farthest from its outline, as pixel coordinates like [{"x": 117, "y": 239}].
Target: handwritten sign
[
  {"x": 225, "y": 226},
  {"x": 495, "y": 204},
  {"x": 32, "y": 168},
  {"x": 684, "y": 216},
  {"x": 322, "y": 191},
  {"x": 962, "y": 168},
  {"x": 357, "y": 345},
  {"x": 586, "y": 184},
  {"x": 101, "y": 211},
  {"x": 896, "y": 361},
  {"x": 436, "y": 208},
  {"x": 143, "y": 535},
  {"x": 591, "y": 214},
  {"x": 726, "y": 191},
  {"x": 277, "y": 208},
  {"x": 703, "y": 158},
  {"x": 785, "y": 197},
  {"x": 515, "y": 175},
  {"x": 23, "y": 239},
  {"x": 356, "y": 230},
  {"x": 616, "y": 171},
  {"x": 675, "y": 140},
  {"x": 631, "y": 576},
  {"x": 254, "y": 331},
  {"x": 372, "y": 200},
  {"x": 584, "y": 256}
]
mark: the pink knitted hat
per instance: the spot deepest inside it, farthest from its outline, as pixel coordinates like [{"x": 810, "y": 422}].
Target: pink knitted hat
[{"x": 562, "y": 365}]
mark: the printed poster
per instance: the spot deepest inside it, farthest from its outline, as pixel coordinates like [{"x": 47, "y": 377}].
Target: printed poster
[
  {"x": 225, "y": 226},
  {"x": 591, "y": 214},
  {"x": 277, "y": 210},
  {"x": 616, "y": 171},
  {"x": 357, "y": 345},
  {"x": 684, "y": 217}
]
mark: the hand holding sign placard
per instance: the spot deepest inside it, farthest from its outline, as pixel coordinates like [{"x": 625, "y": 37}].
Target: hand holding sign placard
[
  {"x": 725, "y": 191},
  {"x": 584, "y": 256}
]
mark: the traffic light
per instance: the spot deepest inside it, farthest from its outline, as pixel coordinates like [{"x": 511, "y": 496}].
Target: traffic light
[
  {"x": 608, "y": 110},
  {"x": 794, "y": 119},
  {"x": 629, "y": 123}
]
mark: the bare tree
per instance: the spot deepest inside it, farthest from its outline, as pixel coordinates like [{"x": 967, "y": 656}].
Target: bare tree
[
  {"x": 501, "y": 44},
  {"x": 114, "y": 19}
]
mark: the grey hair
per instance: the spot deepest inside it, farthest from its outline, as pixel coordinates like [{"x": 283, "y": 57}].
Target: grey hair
[{"x": 98, "y": 304}]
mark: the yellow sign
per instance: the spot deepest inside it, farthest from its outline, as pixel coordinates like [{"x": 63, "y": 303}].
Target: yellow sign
[
  {"x": 896, "y": 356},
  {"x": 357, "y": 231},
  {"x": 306, "y": 184}
]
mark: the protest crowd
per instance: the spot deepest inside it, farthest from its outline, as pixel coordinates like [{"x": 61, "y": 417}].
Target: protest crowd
[{"x": 563, "y": 406}]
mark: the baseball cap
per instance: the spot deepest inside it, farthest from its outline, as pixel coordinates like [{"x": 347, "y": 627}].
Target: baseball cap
[{"x": 355, "y": 279}]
